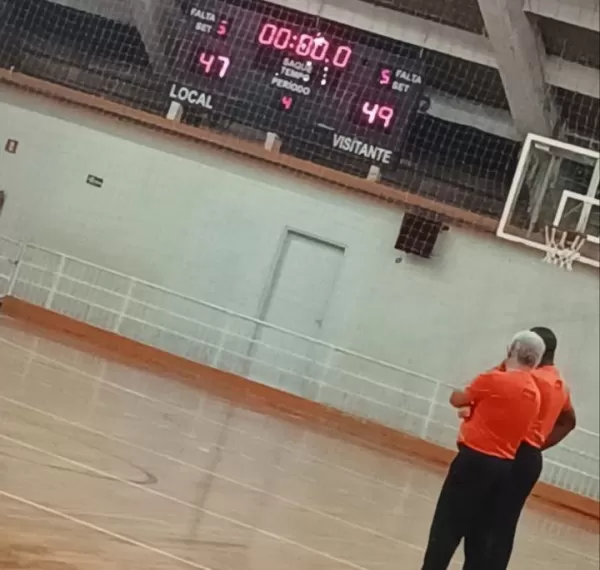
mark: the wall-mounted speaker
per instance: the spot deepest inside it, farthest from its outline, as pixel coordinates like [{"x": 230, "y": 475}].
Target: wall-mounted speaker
[{"x": 418, "y": 234}]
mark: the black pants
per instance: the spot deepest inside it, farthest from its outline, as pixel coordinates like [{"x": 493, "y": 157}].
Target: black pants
[
  {"x": 495, "y": 531},
  {"x": 472, "y": 481}
]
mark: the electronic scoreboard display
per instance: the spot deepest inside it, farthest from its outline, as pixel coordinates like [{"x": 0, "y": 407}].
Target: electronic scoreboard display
[{"x": 297, "y": 75}]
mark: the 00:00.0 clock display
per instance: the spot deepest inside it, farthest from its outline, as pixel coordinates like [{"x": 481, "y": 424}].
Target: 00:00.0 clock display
[{"x": 315, "y": 48}]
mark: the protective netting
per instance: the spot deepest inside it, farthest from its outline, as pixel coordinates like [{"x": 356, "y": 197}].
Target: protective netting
[
  {"x": 434, "y": 124},
  {"x": 433, "y": 117}
]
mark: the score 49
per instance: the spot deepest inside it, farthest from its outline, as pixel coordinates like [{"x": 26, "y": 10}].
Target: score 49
[
  {"x": 382, "y": 115},
  {"x": 378, "y": 115}
]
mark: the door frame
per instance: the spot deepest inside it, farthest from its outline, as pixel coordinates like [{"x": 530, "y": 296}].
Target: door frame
[
  {"x": 276, "y": 265},
  {"x": 277, "y": 261}
]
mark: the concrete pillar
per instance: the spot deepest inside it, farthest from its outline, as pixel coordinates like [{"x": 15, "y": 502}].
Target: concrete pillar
[
  {"x": 520, "y": 54},
  {"x": 157, "y": 21}
]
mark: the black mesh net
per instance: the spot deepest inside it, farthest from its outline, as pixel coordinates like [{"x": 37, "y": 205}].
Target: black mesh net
[{"x": 436, "y": 125}]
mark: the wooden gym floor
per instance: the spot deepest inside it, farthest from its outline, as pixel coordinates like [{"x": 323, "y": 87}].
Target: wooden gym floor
[{"x": 104, "y": 467}]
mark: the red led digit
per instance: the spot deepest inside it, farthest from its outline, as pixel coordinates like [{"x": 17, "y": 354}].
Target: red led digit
[
  {"x": 267, "y": 34},
  {"x": 320, "y": 49},
  {"x": 370, "y": 110},
  {"x": 225, "y": 63},
  {"x": 305, "y": 44},
  {"x": 206, "y": 60},
  {"x": 386, "y": 114},
  {"x": 223, "y": 28},
  {"x": 282, "y": 39},
  {"x": 342, "y": 56},
  {"x": 385, "y": 77}
]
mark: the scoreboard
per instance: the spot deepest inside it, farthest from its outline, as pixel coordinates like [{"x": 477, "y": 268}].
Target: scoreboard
[{"x": 296, "y": 75}]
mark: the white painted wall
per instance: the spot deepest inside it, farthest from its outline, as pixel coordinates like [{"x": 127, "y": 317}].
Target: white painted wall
[{"x": 208, "y": 224}]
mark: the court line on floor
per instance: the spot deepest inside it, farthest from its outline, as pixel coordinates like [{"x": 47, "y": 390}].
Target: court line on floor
[
  {"x": 189, "y": 412},
  {"x": 101, "y": 530},
  {"x": 150, "y": 480},
  {"x": 160, "y": 403},
  {"x": 577, "y": 553},
  {"x": 186, "y": 504},
  {"x": 246, "y": 486},
  {"x": 194, "y": 413},
  {"x": 75, "y": 513}
]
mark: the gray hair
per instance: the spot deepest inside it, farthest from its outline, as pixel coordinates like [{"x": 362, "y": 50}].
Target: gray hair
[{"x": 527, "y": 349}]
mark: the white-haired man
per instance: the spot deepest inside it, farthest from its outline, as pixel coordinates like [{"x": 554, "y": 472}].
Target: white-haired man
[
  {"x": 498, "y": 524},
  {"x": 504, "y": 405}
]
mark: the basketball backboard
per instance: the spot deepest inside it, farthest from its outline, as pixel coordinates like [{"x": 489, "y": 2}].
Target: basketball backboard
[{"x": 555, "y": 185}]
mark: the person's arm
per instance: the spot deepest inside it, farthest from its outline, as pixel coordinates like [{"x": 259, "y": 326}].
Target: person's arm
[
  {"x": 465, "y": 412},
  {"x": 564, "y": 425},
  {"x": 472, "y": 394},
  {"x": 460, "y": 399}
]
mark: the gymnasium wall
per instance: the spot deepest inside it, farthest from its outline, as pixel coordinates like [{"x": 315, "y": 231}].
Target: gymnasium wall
[{"x": 209, "y": 224}]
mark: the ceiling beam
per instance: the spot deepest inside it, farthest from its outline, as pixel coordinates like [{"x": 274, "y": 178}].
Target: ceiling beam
[
  {"x": 579, "y": 13},
  {"x": 520, "y": 56},
  {"x": 438, "y": 37}
]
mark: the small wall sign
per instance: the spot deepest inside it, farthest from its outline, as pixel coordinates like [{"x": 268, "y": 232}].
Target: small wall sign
[
  {"x": 95, "y": 181},
  {"x": 11, "y": 146}
]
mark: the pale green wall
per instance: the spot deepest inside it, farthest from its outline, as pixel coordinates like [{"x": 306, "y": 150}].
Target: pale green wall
[{"x": 207, "y": 224}]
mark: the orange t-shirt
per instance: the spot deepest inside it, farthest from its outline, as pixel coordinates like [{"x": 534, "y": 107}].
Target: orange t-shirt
[
  {"x": 505, "y": 405},
  {"x": 555, "y": 399}
]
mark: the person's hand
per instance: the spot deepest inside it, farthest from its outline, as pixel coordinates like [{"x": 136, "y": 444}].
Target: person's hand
[{"x": 464, "y": 413}]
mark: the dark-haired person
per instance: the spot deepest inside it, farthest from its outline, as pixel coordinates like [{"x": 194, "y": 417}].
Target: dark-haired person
[
  {"x": 556, "y": 420},
  {"x": 504, "y": 405}
]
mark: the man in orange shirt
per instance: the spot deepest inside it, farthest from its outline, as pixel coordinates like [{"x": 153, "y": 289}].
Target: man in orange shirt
[
  {"x": 504, "y": 404},
  {"x": 498, "y": 526}
]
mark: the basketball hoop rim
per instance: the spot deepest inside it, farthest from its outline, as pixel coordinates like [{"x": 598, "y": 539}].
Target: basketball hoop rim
[
  {"x": 571, "y": 234},
  {"x": 563, "y": 246}
]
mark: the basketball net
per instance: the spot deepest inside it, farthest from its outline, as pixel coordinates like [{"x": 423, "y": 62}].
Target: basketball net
[{"x": 562, "y": 249}]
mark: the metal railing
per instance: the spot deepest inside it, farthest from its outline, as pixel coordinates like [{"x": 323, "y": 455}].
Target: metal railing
[
  {"x": 357, "y": 384},
  {"x": 10, "y": 251}
]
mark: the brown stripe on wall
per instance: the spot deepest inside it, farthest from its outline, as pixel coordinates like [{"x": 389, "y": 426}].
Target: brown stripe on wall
[{"x": 242, "y": 148}]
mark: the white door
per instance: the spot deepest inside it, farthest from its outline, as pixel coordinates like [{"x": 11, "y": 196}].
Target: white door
[{"x": 298, "y": 299}]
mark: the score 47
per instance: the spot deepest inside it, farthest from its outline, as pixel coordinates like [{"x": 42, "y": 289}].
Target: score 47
[{"x": 214, "y": 65}]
